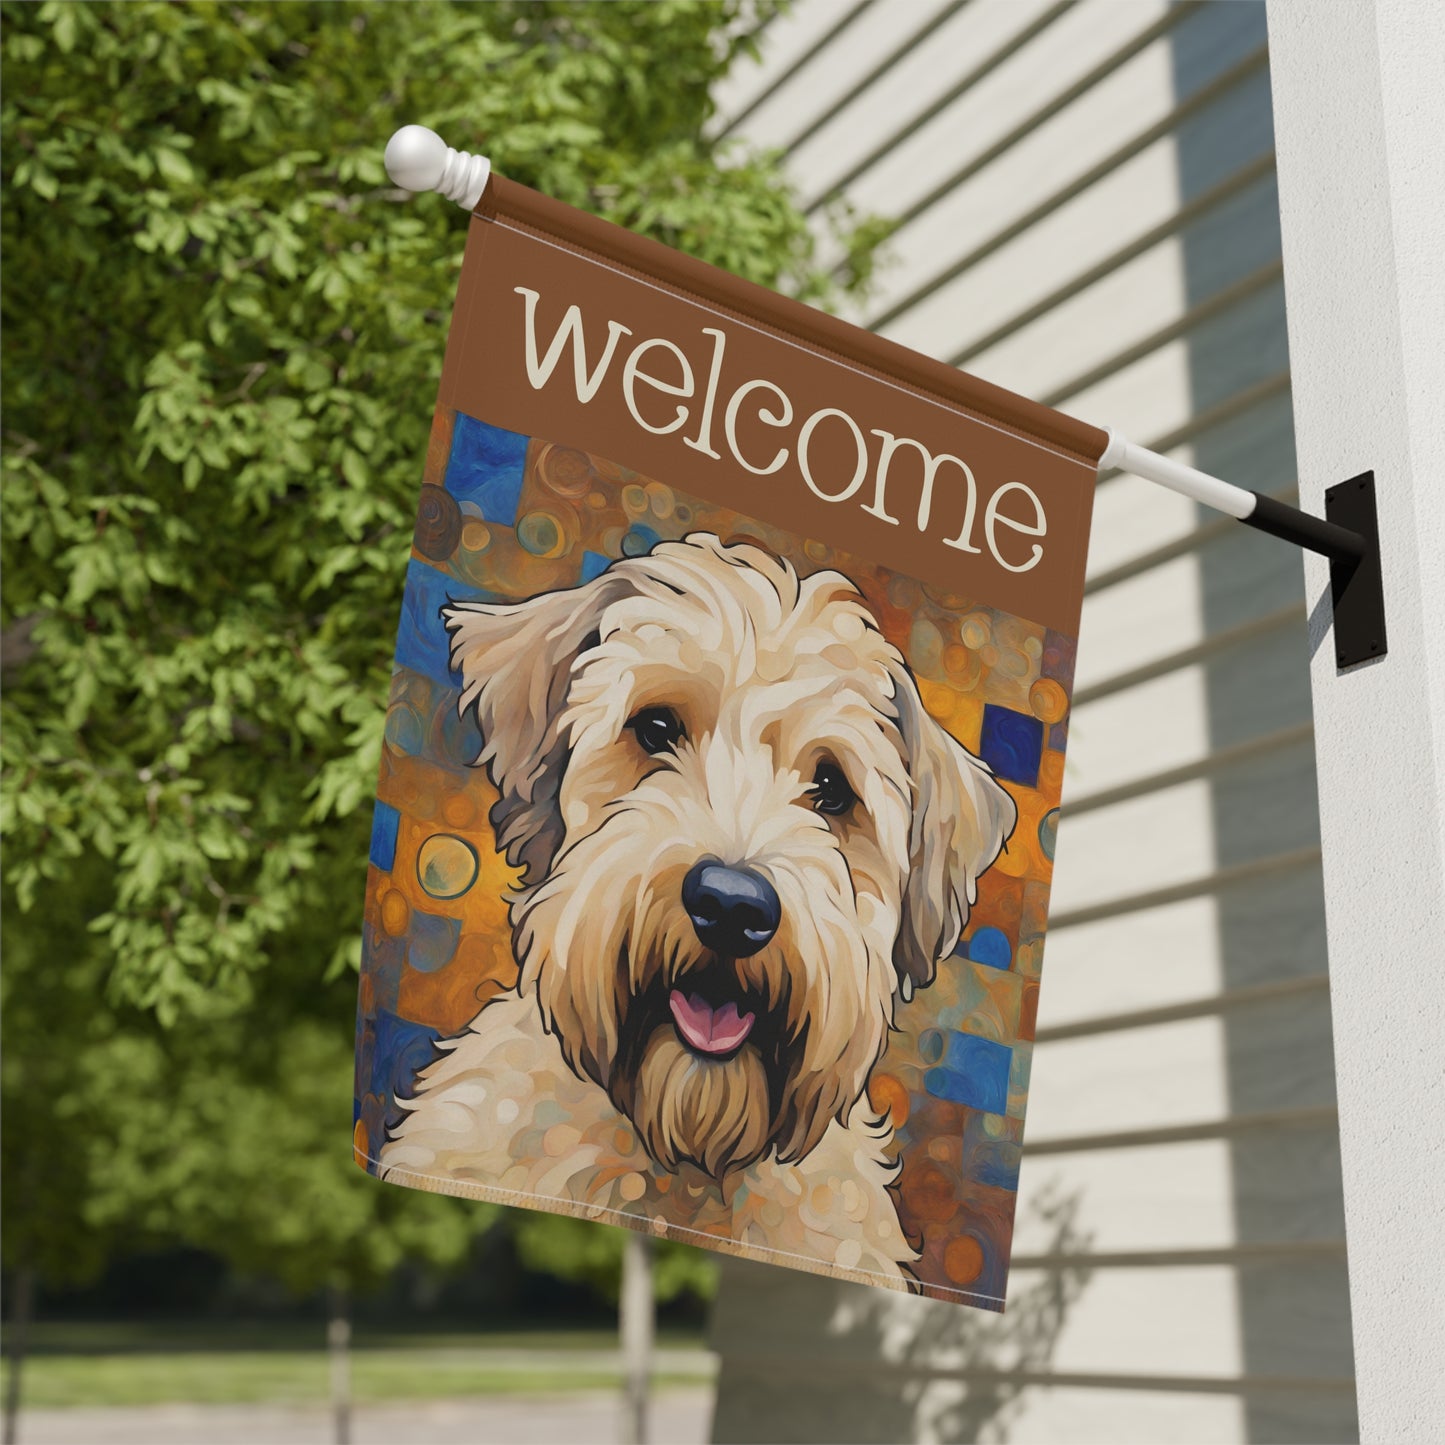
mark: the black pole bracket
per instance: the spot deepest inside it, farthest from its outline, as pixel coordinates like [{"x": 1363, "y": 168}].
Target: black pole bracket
[
  {"x": 1357, "y": 589},
  {"x": 1349, "y": 535}
]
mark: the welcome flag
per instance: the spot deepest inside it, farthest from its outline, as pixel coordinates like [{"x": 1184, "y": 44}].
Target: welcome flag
[{"x": 710, "y": 869}]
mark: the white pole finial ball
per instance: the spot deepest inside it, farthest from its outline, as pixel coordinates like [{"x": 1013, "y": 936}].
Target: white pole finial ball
[
  {"x": 415, "y": 158},
  {"x": 418, "y": 159}
]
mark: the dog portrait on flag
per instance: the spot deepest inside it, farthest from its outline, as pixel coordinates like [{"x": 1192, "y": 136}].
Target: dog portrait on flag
[
  {"x": 720, "y": 779},
  {"x": 742, "y": 845}
]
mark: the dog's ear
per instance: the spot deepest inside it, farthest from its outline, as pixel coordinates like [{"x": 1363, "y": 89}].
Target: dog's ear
[
  {"x": 961, "y": 819},
  {"x": 516, "y": 664}
]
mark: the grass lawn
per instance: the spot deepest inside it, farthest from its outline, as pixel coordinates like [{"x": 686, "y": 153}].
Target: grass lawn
[{"x": 97, "y": 1365}]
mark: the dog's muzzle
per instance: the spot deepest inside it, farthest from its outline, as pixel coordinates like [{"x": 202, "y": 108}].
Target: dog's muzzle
[{"x": 734, "y": 912}]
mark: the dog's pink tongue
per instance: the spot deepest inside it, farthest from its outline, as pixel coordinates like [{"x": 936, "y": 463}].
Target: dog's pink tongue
[{"x": 709, "y": 1030}]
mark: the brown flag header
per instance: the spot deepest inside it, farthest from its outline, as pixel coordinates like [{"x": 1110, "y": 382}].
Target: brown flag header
[{"x": 573, "y": 328}]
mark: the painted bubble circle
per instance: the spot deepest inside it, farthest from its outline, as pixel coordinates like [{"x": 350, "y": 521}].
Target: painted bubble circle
[
  {"x": 446, "y": 866},
  {"x": 639, "y": 541},
  {"x": 565, "y": 472},
  {"x": 974, "y": 630},
  {"x": 1049, "y": 833},
  {"x": 438, "y": 523},
  {"x": 963, "y": 1259},
  {"x": 405, "y": 730},
  {"x": 541, "y": 534},
  {"x": 476, "y": 536},
  {"x": 395, "y": 912},
  {"x": 459, "y": 809},
  {"x": 929, "y": 1193},
  {"x": 1013, "y": 663},
  {"x": 660, "y": 499},
  {"x": 1048, "y": 700}
]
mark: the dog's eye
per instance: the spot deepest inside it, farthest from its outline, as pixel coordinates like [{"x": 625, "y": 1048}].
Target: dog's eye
[
  {"x": 831, "y": 791},
  {"x": 657, "y": 729}
]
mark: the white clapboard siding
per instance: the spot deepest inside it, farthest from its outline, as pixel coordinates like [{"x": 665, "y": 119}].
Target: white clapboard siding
[{"x": 1089, "y": 216}]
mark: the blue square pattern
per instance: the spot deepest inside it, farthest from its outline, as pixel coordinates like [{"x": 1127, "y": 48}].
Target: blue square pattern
[
  {"x": 486, "y": 468},
  {"x": 422, "y": 641},
  {"x": 400, "y": 1051},
  {"x": 384, "y": 823},
  {"x": 594, "y": 564},
  {"x": 974, "y": 1071},
  {"x": 1012, "y": 744}
]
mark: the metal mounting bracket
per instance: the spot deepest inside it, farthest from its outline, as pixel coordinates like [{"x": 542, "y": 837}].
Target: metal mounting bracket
[{"x": 1357, "y": 587}]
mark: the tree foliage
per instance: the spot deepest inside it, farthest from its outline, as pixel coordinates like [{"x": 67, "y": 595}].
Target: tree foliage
[{"x": 223, "y": 331}]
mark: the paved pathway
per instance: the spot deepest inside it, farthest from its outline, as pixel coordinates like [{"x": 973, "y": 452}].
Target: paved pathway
[{"x": 679, "y": 1417}]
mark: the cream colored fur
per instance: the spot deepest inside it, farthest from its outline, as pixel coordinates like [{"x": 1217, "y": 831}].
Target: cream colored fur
[{"x": 501, "y": 1116}]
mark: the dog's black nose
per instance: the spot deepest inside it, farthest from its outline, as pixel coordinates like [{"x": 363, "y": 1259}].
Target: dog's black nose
[{"x": 733, "y": 910}]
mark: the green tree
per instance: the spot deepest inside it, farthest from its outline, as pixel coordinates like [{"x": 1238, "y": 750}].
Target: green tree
[{"x": 223, "y": 330}]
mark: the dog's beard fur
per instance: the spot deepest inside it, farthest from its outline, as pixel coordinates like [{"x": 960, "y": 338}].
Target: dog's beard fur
[
  {"x": 714, "y": 1112},
  {"x": 771, "y": 675}
]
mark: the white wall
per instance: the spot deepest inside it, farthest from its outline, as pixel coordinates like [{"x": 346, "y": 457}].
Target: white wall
[
  {"x": 1093, "y": 221},
  {"x": 1361, "y": 116}
]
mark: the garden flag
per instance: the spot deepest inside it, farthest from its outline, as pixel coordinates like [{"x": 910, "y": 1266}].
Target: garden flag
[{"x": 711, "y": 859}]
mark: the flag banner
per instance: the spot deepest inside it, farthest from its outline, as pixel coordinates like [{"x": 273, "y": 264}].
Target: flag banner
[{"x": 710, "y": 867}]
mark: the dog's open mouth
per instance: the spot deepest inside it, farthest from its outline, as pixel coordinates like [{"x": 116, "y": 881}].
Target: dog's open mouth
[
  {"x": 712, "y": 1029},
  {"x": 703, "y": 1048}
]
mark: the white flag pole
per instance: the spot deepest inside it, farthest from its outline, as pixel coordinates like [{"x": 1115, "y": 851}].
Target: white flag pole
[
  {"x": 1125, "y": 456},
  {"x": 1253, "y": 508}
]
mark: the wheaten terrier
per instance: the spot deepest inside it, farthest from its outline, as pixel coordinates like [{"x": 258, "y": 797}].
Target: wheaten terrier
[{"x": 743, "y": 844}]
